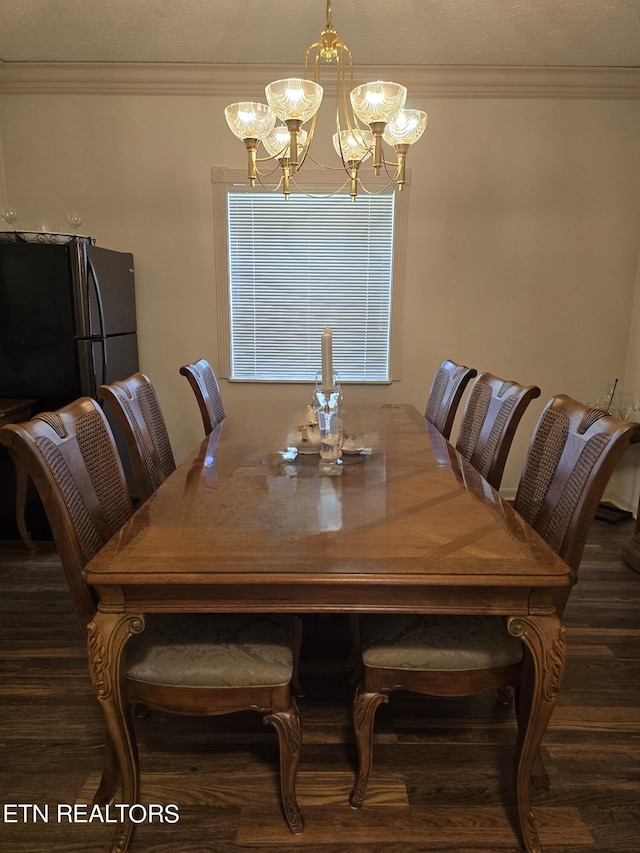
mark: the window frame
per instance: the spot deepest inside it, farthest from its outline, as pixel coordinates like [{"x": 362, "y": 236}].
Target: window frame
[{"x": 223, "y": 180}]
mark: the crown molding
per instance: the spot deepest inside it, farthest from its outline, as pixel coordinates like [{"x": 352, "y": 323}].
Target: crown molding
[{"x": 248, "y": 81}]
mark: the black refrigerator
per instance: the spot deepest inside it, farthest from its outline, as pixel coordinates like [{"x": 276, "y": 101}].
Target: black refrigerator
[{"x": 67, "y": 325}]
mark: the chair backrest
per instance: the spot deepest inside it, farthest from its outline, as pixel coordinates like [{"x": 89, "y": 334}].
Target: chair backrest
[
  {"x": 573, "y": 452},
  {"x": 491, "y": 416},
  {"x": 205, "y": 386},
  {"x": 445, "y": 395},
  {"x": 71, "y": 456},
  {"x": 135, "y": 406}
]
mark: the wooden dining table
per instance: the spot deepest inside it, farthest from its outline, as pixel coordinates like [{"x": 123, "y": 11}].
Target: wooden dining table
[{"x": 245, "y": 524}]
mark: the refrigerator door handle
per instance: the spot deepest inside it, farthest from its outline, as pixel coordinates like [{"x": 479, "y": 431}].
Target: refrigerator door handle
[
  {"x": 87, "y": 367},
  {"x": 101, "y": 336}
]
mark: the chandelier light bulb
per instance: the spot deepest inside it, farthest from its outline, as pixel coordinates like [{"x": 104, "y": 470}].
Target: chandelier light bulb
[
  {"x": 294, "y": 98},
  {"x": 406, "y": 128},
  {"x": 278, "y": 141},
  {"x": 248, "y": 120},
  {"x": 356, "y": 145},
  {"x": 378, "y": 102}
]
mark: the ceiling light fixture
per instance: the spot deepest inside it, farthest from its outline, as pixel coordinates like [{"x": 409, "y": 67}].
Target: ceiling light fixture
[{"x": 370, "y": 114}]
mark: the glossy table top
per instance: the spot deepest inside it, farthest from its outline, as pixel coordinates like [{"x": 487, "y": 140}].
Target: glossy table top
[{"x": 401, "y": 529}]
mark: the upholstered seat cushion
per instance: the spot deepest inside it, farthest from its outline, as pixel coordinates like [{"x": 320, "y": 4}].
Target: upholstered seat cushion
[
  {"x": 437, "y": 642},
  {"x": 212, "y": 650}
]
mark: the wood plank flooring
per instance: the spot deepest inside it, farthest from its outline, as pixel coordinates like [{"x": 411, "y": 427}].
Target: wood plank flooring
[{"x": 442, "y": 768}]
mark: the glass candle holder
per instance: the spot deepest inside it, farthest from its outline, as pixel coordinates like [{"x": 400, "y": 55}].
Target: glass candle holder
[{"x": 328, "y": 406}]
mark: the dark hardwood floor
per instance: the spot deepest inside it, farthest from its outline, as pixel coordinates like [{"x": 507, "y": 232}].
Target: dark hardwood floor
[{"x": 442, "y": 769}]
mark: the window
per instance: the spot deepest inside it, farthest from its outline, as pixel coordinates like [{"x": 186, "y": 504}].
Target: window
[{"x": 294, "y": 267}]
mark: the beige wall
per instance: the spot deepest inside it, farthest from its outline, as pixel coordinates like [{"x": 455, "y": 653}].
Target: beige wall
[{"x": 523, "y": 238}]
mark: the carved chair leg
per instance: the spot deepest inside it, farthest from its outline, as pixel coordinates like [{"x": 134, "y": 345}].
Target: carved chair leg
[
  {"x": 364, "y": 710},
  {"x": 109, "y": 781},
  {"x": 22, "y": 481},
  {"x": 287, "y": 725},
  {"x": 540, "y": 781}
]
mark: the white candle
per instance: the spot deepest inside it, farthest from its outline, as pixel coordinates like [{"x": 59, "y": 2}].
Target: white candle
[{"x": 327, "y": 358}]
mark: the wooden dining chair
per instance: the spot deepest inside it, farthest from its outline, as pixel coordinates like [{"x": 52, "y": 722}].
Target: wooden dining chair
[
  {"x": 205, "y": 386},
  {"x": 491, "y": 416},
  {"x": 192, "y": 664},
  {"x": 446, "y": 392},
  {"x": 134, "y": 405},
  {"x": 572, "y": 454},
  {"x": 136, "y": 409}
]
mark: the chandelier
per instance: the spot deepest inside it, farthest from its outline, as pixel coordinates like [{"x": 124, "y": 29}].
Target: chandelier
[{"x": 369, "y": 115}]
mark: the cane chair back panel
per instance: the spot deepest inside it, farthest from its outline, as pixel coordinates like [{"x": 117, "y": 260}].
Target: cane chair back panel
[
  {"x": 493, "y": 411},
  {"x": 205, "y": 386},
  {"x": 136, "y": 408},
  {"x": 71, "y": 457},
  {"x": 446, "y": 392},
  {"x": 571, "y": 457}
]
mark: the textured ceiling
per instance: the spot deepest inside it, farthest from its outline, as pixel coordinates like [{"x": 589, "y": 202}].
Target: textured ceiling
[{"x": 395, "y": 32}]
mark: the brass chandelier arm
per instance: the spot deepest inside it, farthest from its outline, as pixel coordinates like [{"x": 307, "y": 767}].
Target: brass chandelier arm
[
  {"x": 308, "y": 194},
  {"x": 395, "y": 171},
  {"x": 380, "y": 191},
  {"x": 342, "y": 167},
  {"x": 270, "y": 189}
]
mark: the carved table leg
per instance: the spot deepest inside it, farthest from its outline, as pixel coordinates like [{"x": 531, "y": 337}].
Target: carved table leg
[
  {"x": 109, "y": 780},
  {"x": 107, "y": 637},
  {"x": 544, "y": 638}
]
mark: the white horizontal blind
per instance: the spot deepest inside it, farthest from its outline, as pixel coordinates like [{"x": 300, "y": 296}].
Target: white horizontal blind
[{"x": 298, "y": 266}]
